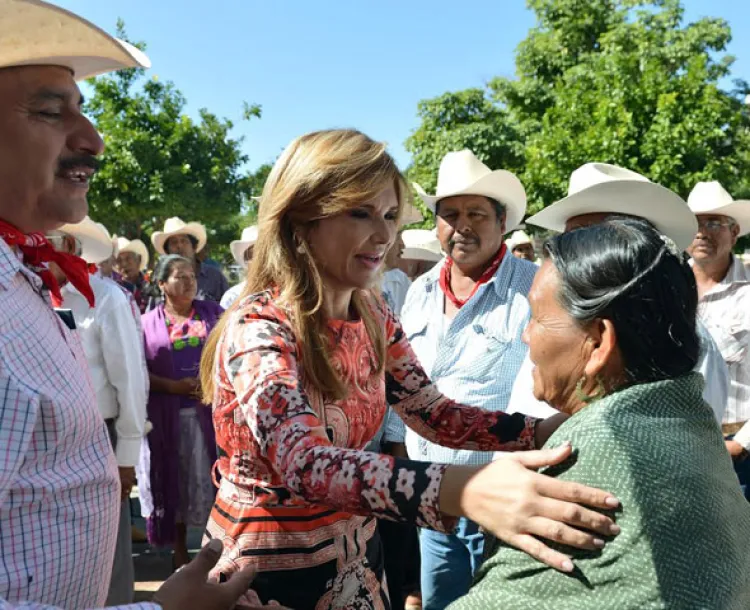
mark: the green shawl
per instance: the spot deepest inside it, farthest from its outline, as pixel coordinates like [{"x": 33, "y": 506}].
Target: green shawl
[{"x": 685, "y": 540}]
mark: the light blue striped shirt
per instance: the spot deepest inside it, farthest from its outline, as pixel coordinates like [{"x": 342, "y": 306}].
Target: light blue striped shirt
[{"x": 475, "y": 357}]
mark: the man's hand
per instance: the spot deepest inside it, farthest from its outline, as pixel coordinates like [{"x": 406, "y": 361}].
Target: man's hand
[
  {"x": 127, "y": 480},
  {"x": 189, "y": 588},
  {"x": 737, "y": 451}
]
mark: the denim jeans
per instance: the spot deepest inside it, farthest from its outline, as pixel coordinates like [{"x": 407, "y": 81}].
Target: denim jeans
[{"x": 449, "y": 563}]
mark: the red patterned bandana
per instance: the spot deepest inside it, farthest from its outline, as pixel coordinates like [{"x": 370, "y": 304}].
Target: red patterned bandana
[
  {"x": 37, "y": 252},
  {"x": 445, "y": 277}
]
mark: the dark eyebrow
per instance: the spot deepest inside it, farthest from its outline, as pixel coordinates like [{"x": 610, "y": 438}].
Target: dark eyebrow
[{"x": 46, "y": 95}]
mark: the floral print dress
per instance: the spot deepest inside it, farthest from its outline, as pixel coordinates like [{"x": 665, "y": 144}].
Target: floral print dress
[{"x": 299, "y": 496}]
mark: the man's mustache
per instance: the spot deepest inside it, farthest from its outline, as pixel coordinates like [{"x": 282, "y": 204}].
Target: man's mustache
[
  {"x": 463, "y": 242},
  {"x": 78, "y": 161}
]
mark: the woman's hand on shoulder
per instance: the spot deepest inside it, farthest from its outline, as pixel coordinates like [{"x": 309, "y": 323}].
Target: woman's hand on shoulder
[{"x": 519, "y": 505}]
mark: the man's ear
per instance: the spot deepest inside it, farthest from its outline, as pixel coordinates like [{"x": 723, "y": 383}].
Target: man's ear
[{"x": 603, "y": 339}]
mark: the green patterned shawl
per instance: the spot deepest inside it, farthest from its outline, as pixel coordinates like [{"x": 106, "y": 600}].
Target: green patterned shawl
[{"x": 685, "y": 541}]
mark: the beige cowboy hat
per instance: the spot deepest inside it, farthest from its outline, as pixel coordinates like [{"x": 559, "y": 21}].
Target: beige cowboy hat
[
  {"x": 461, "y": 173},
  {"x": 248, "y": 238},
  {"x": 37, "y": 33},
  {"x": 136, "y": 246},
  {"x": 603, "y": 188},
  {"x": 712, "y": 198},
  {"x": 517, "y": 239},
  {"x": 421, "y": 245},
  {"x": 96, "y": 244},
  {"x": 176, "y": 226}
]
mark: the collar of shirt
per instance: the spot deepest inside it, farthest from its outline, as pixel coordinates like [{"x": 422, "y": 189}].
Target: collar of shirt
[
  {"x": 11, "y": 264},
  {"x": 737, "y": 274}
]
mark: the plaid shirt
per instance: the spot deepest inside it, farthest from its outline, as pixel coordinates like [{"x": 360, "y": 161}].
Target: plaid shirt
[
  {"x": 59, "y": 487},
  {"x": 725, "y": 310}
]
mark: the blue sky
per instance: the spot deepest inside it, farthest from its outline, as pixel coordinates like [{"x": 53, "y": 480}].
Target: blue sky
[{"x": 338, "y": 63}]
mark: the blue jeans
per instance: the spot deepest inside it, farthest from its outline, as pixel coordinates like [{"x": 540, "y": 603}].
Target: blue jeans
[{"x": 449, "y": 563}]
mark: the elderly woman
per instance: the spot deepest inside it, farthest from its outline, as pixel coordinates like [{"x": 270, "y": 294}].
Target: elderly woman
[
  {"x": 640, "y": 428},
  {"x": 299, "y": 372},
  {"x": 179, "y": 490}
]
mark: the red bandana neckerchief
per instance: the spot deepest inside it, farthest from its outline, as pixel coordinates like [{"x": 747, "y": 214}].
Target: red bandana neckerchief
[
  {"x": 37, "y": 252},
  {"x": 445, "y": 277}
]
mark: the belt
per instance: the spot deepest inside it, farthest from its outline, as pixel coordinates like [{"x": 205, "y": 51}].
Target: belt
[{"x": 732, "y": 429}]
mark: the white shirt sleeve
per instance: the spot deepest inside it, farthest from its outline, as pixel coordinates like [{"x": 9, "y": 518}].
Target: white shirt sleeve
[
  {"x": 522, "y": 398},
  {"x": 123, "y": 361},
  {"x": 715, "y": 373}
]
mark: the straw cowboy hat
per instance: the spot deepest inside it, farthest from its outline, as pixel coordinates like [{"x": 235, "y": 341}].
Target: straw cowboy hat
[
  {"x": 603, "y": 188},
  {"x": 712, "y": 198},
  {"x": 461, "y": 173},
  {"x": 517, "y": 239},
  {"x": 33, "y": 32},
  {"x": 176, "y": 226},
  {"x": 96, "y": 244},
  {"x": 421, "y": 245},
  {"x": 136, "y": 246},
  {"x": 248, "y": 238}
]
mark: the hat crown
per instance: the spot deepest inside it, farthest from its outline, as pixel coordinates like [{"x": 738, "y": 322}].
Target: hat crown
[
  {"x": 591, "y": 174},
  {"x": 458, "y": 170},
  {"x": 249, "y": 234},
  {"x": 707, "y": 196},
  {"x": 420, "y": 238},
  {"x": 174, "y": 224}
]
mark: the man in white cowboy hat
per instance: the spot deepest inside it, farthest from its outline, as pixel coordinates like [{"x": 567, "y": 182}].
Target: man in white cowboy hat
[
  {"x": 598, "y": 191},
  {"x": 464, "y": 318},
  {"x": 724, "y": 304},
  {"x": 421, "y": 252},
  {"x": 187, "y": 239},
  {"x": 113, "y": 345},
  {"x": 59, "y": 484},
  {"x": 131, "y": 263},
  {"x": 520, "y": 245},
  {"x": 242, "y": 251}
]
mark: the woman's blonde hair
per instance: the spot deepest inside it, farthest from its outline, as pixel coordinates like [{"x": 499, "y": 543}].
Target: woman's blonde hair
[{"x": 319, "y": 175}]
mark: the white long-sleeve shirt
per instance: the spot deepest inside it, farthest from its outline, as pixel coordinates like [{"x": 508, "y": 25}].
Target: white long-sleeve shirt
[{"x": 114, "y": 350}]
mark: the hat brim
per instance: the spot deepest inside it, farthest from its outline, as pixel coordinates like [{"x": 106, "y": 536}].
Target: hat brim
[
  {"x": 33, "y": 32},
  {"x": 660, "y": 206},
  {"x": 96, "y": 245},
  {"x": 238, "y": 249},
  {"x": 139, "y": 248},
  {"x": 738, "y": 210},
  {"x": 501, "y": 185},
  {"x": 194, "y": 229}
]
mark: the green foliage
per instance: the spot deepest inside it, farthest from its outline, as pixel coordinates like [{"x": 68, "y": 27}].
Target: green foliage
[
  {"x": 159, "y": 162},
  {"x": 616, "y": 81}
]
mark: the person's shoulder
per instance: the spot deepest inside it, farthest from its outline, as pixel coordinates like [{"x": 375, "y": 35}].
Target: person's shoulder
[
  {"x": 107, "y": 293},
  {"x": 523, "y": 273}
]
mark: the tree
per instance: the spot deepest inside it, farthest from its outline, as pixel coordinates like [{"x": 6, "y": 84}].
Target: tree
[
  {"x": 159, "y": 162},
  {"x": 617, "y": 81}
]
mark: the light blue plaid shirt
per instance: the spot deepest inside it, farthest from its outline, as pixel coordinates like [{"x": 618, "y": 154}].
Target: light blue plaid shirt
[{"x": 474, "y": 358}]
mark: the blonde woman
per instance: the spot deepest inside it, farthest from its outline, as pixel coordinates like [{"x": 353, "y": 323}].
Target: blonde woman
[{"x": 299, "y": 372}]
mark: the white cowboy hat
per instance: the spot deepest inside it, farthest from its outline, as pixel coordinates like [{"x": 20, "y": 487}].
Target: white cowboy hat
[
  {"x": 603, "y": 188},
  {"x": 96, "y": 244},
  {"x": 411, "y": 215},
  {"x": 176, "y": 226},
  {"x": 518, "y": 238},
  {"x": 248, "y": 238},
  {"x": 421, "y": 245},
  {"x": 712, "y": 198},
  {"x": 136, "y": 246},
  {"x": 33, "y": 32},
  {"x": 461, "y": 173}
]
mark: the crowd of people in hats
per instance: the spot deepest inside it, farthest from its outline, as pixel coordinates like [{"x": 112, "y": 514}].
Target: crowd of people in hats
[{"x": 373, "y": 418}]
